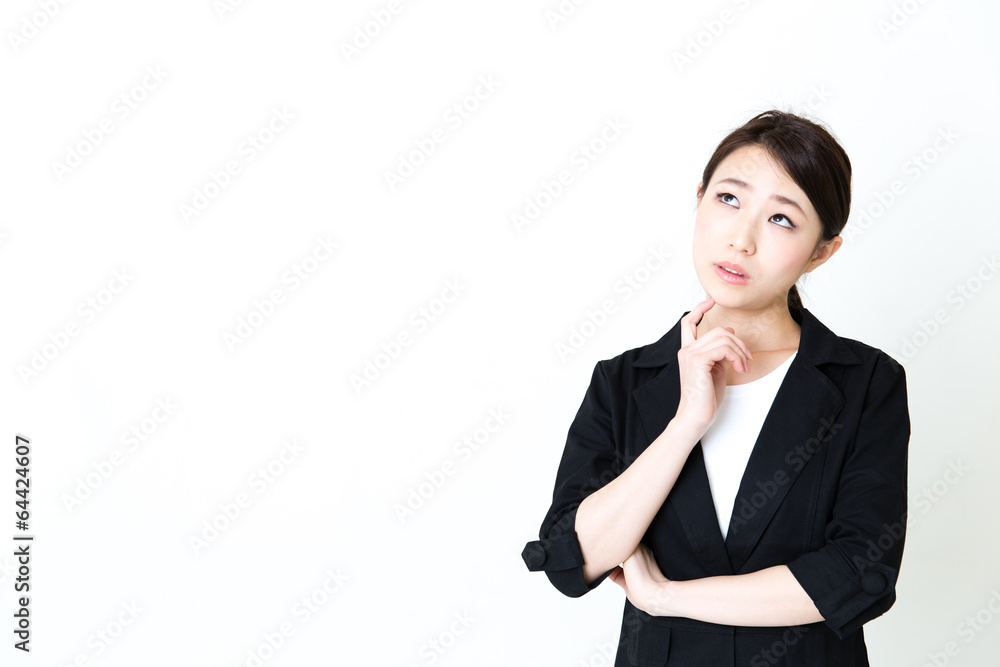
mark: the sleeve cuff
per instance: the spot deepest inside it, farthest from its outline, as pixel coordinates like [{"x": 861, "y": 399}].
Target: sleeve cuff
[
  {"x": 845, "y": 597},
  {"x": 562, "y": 561}
]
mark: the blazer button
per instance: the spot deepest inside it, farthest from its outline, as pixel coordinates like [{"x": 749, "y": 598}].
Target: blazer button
[
  {"x": 873, "y": 582},
  {"x": 533, "y": 555}
]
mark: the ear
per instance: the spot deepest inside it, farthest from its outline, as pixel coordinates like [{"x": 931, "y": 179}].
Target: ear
[
  {"x": 825, "y": 252},
  {"x": 697, "y": 192}
]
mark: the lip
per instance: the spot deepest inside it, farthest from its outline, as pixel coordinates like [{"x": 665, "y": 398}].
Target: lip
[{"x": 720, "y": 269}]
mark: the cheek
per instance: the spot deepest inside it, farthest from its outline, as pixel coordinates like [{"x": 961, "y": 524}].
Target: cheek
[
  {"x": 702, "y": 242},
  {"x": 703, "y": 229},
  {"x": 789, "y": 262}
]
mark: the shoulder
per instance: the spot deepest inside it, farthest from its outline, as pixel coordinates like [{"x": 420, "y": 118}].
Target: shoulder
[
  {"x": 873, "y": 358},
  {"x": 653, "y": 355},
  {"x": 825, "y": 345},
  {"x": 638, "y": 364},
  {"x": 874, "y": 377}
]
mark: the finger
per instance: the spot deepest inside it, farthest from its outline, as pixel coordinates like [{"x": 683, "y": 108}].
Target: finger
[
  {"x": 739, "y": 341},
  {"x": 689, "y": 331},
  {"x": 727, "y": 334},
  {"x": 618, "y": 576},
  {"x": 730, "y": 333},
  {"x": 720, "y": 349}
]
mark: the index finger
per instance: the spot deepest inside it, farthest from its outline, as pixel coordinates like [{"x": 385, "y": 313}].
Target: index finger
[{"x": 689, "y": 323}]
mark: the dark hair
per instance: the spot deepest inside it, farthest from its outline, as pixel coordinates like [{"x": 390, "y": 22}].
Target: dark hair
[{"x": 812, "y": 158}]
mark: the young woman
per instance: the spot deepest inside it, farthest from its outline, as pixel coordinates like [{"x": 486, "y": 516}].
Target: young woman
[{"x": 743, "y": 478}]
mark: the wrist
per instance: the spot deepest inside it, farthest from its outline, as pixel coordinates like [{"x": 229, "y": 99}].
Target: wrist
[
  {"x": 686, "y": 429},
  {"x": 664, "y": 599}
]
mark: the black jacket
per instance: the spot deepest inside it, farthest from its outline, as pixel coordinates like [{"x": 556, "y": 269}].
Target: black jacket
[{"x": 824, "y": 493}]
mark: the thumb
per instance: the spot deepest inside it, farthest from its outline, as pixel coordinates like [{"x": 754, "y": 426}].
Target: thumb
[{"x": 618, "y": 576}]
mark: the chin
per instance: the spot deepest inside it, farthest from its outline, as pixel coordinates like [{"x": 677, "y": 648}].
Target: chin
[{"x": 732, "y": 301}]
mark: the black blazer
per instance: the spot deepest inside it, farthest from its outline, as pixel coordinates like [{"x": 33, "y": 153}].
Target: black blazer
[{"x": 824, "y": 493}]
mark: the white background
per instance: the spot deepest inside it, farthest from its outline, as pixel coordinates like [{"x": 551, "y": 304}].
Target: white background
[{"x": 887, "y": 78}]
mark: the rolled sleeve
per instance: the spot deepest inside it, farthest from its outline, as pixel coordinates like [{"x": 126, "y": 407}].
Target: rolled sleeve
[
  {"x": 852, "y": 578},
  {"x": 588, "y": 463}
]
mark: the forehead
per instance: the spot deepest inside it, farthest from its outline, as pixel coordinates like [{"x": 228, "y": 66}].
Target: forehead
[{"x": 756, "y": 166}]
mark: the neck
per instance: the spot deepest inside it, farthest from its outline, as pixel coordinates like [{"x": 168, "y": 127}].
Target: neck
[{"x": 771, "y": 328}]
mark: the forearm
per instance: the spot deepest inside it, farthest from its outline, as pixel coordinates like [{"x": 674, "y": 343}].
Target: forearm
[
  {"x": 771, "y": 597},
  {"x": 611, "y": 521}
]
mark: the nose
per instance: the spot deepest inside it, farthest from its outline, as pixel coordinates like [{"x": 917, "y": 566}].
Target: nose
[{"x": 742, "y": 235}]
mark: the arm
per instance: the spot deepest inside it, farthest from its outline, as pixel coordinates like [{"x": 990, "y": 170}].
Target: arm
[
  {"x": 591, "y": 484},
  {"x": 852, "y": 577},
  {"x": 769, "y": 597},
  {"x": 847, "y": 581},
  {"x": 611, "y": 521}
]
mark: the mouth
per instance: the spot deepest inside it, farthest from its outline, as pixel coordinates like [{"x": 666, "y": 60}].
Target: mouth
[
  {"x": 735, "y": 269},
  {"x": 732, "y": 273}
]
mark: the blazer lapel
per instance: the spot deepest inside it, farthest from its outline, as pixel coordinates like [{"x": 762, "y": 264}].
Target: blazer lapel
[
  {"x": 806, "y": 405},
  {"x": 657, "y": 402}
]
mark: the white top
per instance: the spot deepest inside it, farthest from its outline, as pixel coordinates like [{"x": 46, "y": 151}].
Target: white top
[{"x": 729, "y": 440}]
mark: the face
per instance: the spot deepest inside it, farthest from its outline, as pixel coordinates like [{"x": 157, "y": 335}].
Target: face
[{"x": 754, "y": 219}]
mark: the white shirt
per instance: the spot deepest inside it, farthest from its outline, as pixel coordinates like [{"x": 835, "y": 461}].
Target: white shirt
[{"x": 729, "y": 440}]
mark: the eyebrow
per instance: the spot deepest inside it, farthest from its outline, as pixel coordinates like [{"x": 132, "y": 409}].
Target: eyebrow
[{"x": 778, "y": 198}]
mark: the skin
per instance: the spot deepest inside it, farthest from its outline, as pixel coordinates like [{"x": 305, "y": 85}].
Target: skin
[
  {"x": 737, "y": 324},
  {"x": 749, "y": 228}
]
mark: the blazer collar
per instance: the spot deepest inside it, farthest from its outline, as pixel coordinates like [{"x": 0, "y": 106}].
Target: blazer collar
[
  {"x": 806, "y": 400},
  {"x": 816, "y": 343}
]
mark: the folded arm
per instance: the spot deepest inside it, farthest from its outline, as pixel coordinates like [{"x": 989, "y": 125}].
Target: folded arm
[{"x": 769, "y": 597}]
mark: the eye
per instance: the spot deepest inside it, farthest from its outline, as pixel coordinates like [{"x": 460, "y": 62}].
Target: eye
[
  {"x": 778, "y": 218},
  {"x": 721, "y": 196},
  {"x": 790, "y": 225}
]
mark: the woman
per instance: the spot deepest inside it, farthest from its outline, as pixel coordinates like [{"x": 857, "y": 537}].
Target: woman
[{"x": 743, "y": 478}]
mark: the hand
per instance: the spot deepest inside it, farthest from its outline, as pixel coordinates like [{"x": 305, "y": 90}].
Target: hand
[
  {"x": 701, "y": 363},
  {"x": 643, "y": 582}
]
